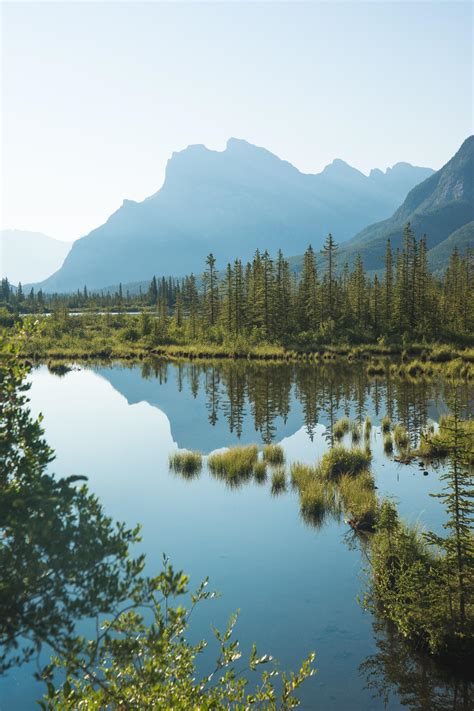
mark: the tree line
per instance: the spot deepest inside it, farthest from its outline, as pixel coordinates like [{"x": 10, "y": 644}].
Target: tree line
[{"x": 266, "y": 299}]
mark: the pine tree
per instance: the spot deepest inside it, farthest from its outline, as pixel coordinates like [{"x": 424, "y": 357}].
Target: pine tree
[{"x": 329, "y": 252}]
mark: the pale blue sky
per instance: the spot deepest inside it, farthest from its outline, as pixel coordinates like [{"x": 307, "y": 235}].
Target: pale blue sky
[{"x": 96, "y": 96}]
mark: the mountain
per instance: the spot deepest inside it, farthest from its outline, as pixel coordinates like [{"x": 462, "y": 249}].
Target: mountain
[
  {"x": 230, "y": 202},
  {"x": 30, "y": 256},
  {"x": 442, "y": 207}
]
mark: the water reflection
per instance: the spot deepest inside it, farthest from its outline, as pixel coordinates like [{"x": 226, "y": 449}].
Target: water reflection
[
  {"x": 398, "y": 670},
  {"x": 245, "y": 401}
]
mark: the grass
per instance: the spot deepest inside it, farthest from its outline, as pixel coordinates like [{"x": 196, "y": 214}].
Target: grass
[
  {"x": 278, "y": 480},
  {"x": 188, "y": 464},
  {"x": 358, "y": 499},
  {"x": 341, "y": 427},
  {"x": 273, "y": 454},
  {"x": 235, "y": 464},
  {"x": 388, "y": 443},
  {"x": 339, "y": 461},
  {"x": 386, "y": 424},
  {"x": 317, "y": 501},
  {"x": 367, "y": 427},
  {"x": 302, "y": 475},
  {"x": 260, "y": 471},
  {"x": 437, "y": 445},
  {"x": 356, "y": 432},
  {"x": 401, "y": 437}
]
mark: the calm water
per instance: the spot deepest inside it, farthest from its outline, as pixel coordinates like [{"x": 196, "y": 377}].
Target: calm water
[{"x": 296, "y": 586}]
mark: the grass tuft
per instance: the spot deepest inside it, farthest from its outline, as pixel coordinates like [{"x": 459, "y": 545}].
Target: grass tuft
[
  {"x": 278, "y": 480},
  {"x": 386, "y": 424},
  {"x": 260, "y": 471},
  {"x": 234, "y": 465},
  {"x": 273, "y": 454},
  {"x": 341, "y": 428},
  {"x": 339, "y": 461},
  {"x": 188, "y": 464}
]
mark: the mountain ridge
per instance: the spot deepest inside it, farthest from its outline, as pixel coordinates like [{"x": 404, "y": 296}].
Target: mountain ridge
[{"x": 230, "y": 202}]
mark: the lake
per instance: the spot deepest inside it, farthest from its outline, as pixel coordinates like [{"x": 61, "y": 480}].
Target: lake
[{"x": 296, "y": 585}]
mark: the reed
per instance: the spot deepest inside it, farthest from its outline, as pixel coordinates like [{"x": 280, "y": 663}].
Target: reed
[
  {"x": 339, "y": 461},
  {"x": 188, "y": 464},
  {"x": 273, "y": 454},
  {"x": 341, "y": 427}
]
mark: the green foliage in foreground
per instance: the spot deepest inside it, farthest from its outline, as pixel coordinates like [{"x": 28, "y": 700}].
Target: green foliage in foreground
[
  {"x": 339, "y": 461},
  {"x": 142, "y": 665},
  {"x": 62, "y": 560},
  {"x": 424, "y": 583}
]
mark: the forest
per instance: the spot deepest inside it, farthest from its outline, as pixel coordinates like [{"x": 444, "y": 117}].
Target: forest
[{"x": 269, "y": 301}]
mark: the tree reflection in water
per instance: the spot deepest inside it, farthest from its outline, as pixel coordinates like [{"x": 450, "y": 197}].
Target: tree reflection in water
[
  {"x": 61, "y": 558},
  {"x": 420, "y": 684}
]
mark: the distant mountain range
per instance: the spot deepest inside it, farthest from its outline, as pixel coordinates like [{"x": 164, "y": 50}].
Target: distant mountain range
[
  {"x": 30, "y": 256},
  {"x": 442, "y": 207},
  {"x": 230, "y": 203}
]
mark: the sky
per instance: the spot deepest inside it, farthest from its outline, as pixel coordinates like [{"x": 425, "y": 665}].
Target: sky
[{"x": 96, "y": 96}]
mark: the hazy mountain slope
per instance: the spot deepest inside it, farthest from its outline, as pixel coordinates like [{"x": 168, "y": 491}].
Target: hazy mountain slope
[
  {"x": 230, "y": 203},
  {"x": 30, "y": 256},
  {"x": 441, "y": 205},
  {"x": 463, "y": 238}
]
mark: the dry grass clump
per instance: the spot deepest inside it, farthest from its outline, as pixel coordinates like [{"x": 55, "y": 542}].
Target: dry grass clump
[
  {"x": 188, "y": 464},
  {"x": 341, "y": 428},
  {"x": 339, "y": 461},
  {"x": 278, "y": 480},
  {"x": 273, "y": 454},
  {"x": 235, "y": 464}
]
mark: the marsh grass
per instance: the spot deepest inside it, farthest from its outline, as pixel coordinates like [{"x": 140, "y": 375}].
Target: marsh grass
[
  {"x": 358, "y": 500},
  {"x": 318, "y": 501},
  {"x": 401, "y": 437},
  {"x": 301, "y": 475},
  {"x": 437, "y": 445},
  {"x": 188, "y": 464},
  {"x": 356, "y": 432},
  {"x": 388, "y": 443},
  {"x": 278, "y": 480},
  {"x": 339, "y": 461},
  {"x": 234, "y": 465},
  {"x": 273, "y": 454},
  {"x": 341, "y": 427},
  {"x": 260, "y": 471},
  {"x": 386, "y": 424},
  {"x": 367, "y": 427}
]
